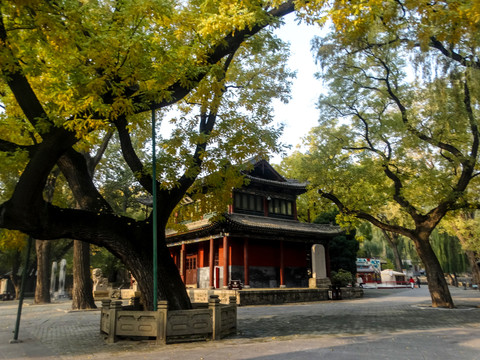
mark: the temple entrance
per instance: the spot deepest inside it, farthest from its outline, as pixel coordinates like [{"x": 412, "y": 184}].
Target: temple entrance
[{"x": 191, "y": 270}]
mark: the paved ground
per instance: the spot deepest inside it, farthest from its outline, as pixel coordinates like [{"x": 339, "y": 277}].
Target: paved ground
[{"x": 385, "y": 324}]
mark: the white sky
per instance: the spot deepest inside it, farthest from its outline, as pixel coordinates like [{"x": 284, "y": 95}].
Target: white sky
[{"x": 300, "y": 114}]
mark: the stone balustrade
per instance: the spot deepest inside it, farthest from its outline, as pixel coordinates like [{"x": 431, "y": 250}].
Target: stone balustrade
[{"x": 205, "y": 321}]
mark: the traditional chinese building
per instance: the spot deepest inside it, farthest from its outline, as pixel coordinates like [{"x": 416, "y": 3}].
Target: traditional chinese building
[{"x": 259, "y": 241}]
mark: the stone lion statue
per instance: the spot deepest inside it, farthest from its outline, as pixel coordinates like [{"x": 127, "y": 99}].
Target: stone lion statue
[{"x": 99, "y": 281}]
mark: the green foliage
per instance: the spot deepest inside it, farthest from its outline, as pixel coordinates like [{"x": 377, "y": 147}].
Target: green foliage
[
  {"x": 343, "y": 248},
  {"x": 449, "y": 252},
  {"x": 309, "y": 206},
  {"x": 371, "y": 249},
  {"x": 12, "y": 244},
  {"x": 151, "y": 45},
  {"x": 117, "y": 183},
  {"x": 388, "y": 265},
  {"x": 466, "y": 227},
  {"x": 112, "y": 268},
  {"x": 378, "y": 116},
  {"x": 72, "y": 71},
  {"x": 341, "y": 278},
  {"x": 398, "y": 142},
  {"x": 12, "y": 240},
  {"x": 452, "y": 22}
]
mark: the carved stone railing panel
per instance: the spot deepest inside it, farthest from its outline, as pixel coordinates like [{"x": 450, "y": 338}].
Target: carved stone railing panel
[{"x": 210, "y": 321}]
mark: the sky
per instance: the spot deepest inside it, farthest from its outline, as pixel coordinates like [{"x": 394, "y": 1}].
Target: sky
[{"x": 300, "y": 114}]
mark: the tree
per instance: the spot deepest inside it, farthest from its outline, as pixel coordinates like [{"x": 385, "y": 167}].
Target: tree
[
  {"x": 450, "y": 254},
  {"x": 72, "y": 70},
  {"x": 12, "y": 244},
  {"x": 43, "y": 250},
  {"x": 464, "y": 225},
  {"x": 400, "y": 126},
  {"x": 82, "y": 292},
  {"x": 343, "y": 248}
]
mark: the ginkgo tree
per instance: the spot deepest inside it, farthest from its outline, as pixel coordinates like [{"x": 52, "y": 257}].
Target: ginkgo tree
[
  {"x": 399, "y": 126},
  {"x": 73, "y": 70}
]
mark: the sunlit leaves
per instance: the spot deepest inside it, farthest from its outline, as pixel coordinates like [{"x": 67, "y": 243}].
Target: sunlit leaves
[
  {"x": 12, "y": 240},
  {"x": 452, "y": 21},
  {"x": 241, "y": 98},
  {"x": 398, "y": 127}
]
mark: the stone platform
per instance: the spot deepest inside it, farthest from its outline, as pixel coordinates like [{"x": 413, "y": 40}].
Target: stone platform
[{"x": 271, "y": 296}]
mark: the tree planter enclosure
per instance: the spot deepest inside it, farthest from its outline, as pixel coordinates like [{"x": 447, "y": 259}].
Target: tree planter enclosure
[{"x": 205, "y": 321}]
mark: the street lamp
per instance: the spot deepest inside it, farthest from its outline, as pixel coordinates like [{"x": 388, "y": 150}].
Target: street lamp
[{"x": 154, "y": 204}]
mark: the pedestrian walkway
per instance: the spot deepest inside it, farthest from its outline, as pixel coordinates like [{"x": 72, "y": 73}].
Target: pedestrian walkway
[{"x": 385, "y": 324}]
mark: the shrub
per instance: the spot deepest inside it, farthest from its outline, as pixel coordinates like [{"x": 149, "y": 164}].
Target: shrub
[{"x": 341, "y": 278}]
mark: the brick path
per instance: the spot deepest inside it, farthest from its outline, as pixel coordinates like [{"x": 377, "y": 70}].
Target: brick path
[{"x": 385, "y": 324}]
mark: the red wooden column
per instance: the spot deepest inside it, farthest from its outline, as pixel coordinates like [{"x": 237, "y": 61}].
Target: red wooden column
[
  {"x": 211, "y": 259},
  {"x": 246, "y": 280},
  {"x": 282, "y": 266},
  {"x": 183, "y": 267},
  {"x": 225, "y": 261}
]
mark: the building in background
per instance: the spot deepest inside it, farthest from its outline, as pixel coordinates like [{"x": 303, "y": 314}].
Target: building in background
[{"x": 259, "y": 241}]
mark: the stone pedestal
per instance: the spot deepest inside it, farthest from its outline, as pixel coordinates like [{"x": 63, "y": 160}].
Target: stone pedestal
[
  {"x": 314, "y": 283},
  {"x": 319, "y": 277}
]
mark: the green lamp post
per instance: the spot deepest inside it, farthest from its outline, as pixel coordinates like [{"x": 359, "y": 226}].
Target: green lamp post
[{"x": 154, "y": 205}]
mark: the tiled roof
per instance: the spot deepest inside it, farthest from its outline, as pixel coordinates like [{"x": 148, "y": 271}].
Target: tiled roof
[
  {"x": 259, "y": 225},
  {"x": 290, "y": 183},
  {"x": 263, "y": 222}
]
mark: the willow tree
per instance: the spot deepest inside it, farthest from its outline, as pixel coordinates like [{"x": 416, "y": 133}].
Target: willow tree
[
  {"x": 73, "y": 70},
  {"x": 399, "y": 126},
  {"x": 465, "y": 226}
]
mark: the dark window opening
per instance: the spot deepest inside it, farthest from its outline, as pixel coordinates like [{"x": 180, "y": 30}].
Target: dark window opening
[
  {"x": 248, "y": 203},
  {"x": 280, "y": 208}
]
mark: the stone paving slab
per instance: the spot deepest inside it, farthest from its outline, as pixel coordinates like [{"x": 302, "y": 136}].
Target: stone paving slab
[{"x": 385, "y": 324}]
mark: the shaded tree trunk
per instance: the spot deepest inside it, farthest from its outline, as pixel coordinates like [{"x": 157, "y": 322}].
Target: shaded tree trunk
[
  {"x": 437, "y": 284},
  {"x": 169, "y": 283},
  {"x": 14, "y": 278},
  {"x": 82, "y": 294},
  {"x": 42, "y": 289},
  {"x": 43, "y": 250}
]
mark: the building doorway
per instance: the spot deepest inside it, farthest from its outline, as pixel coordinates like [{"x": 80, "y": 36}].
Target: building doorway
[{"x": 191, "y": 270}]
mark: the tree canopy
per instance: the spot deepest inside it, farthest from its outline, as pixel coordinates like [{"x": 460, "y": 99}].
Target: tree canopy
[
  {"x": 398, "y": 139},
  {"x": 73, "y": 71}
]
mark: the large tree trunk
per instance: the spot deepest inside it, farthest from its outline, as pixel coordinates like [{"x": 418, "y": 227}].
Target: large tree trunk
[
  {"x": 82, "y": 294},
  {"x": 42, "y": 289},
  {"x": 437, "y": 285},
  {"x": 472, "y": 260},
  {"x": 169, "y": 283}
]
